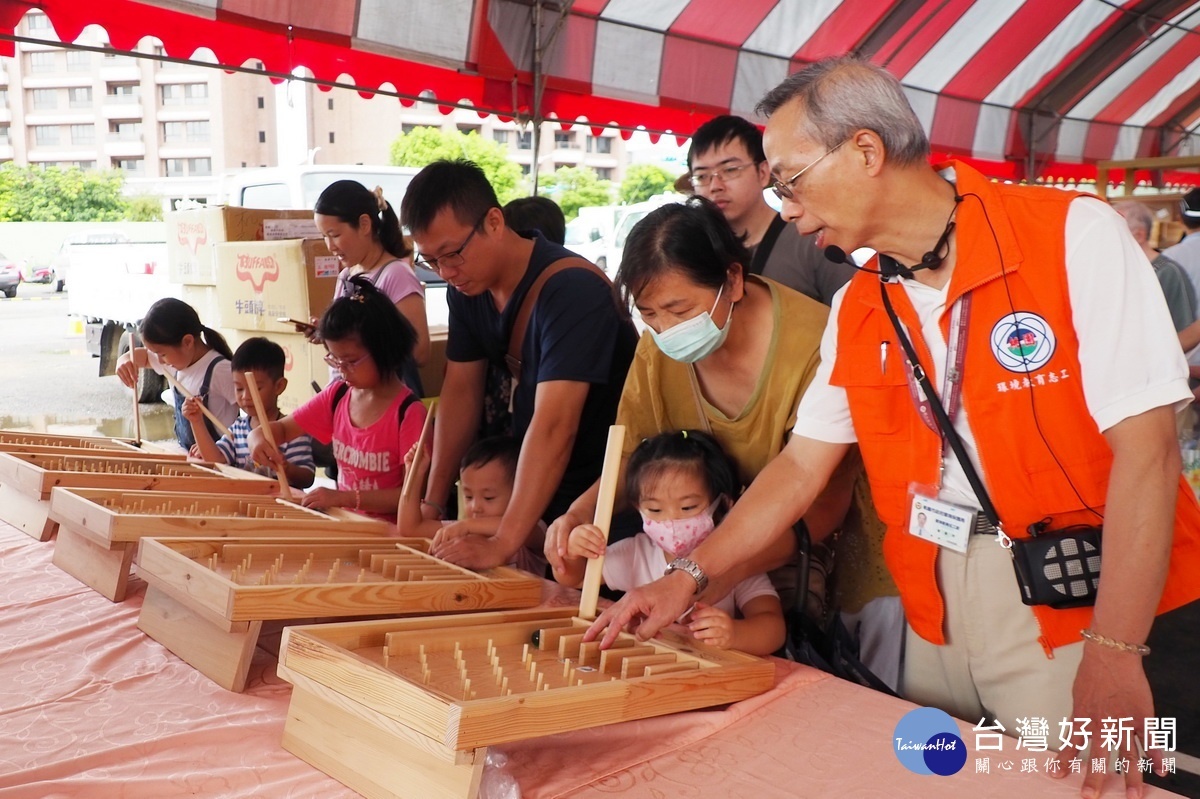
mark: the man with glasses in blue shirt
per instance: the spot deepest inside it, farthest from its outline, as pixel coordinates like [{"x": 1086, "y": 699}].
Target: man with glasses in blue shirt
[
  {"x": 573, "y": 356},
  {"x": 726, "y": 165}
]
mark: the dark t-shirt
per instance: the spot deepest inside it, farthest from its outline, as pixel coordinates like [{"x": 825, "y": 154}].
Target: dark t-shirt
[
  {"x": 575, "y": 332},
  {"x": 795, "y": 261}
]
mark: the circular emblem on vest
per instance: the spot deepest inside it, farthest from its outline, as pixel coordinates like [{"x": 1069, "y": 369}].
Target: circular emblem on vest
[{"x": 1023, "y": 342}]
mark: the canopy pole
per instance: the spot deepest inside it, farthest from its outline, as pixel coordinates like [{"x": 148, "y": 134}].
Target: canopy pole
[{"x": 537, "y": 91}]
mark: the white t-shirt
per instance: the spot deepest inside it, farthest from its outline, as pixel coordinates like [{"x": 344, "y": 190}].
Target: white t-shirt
[
  {"x": 221, "y": 399},
  {"x": 632, "y": 562},
  {"x": 1129, "y": 353}
]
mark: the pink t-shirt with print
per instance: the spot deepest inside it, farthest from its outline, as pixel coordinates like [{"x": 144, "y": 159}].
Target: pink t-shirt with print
[{"x": 371, "y": 457}]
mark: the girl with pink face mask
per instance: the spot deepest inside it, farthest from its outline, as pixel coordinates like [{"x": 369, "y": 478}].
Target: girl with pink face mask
[{"x": 681, "y": 484}]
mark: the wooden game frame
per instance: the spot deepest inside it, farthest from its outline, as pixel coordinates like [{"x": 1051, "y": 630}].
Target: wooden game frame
[
  {"x": 22, "y": 441},
  {"x": 403, "y": 730},
  {"x": 99, "y": 527},
  {"x": 27, "y": 478},
  {"x": 206, "y": 599}
]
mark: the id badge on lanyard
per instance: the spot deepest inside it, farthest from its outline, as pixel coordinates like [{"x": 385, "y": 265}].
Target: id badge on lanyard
[{"x": 946, "y": 524}]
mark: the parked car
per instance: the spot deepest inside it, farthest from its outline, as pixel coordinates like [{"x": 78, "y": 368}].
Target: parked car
[
  {"x": 41, "y": 274},
  {"x": 61, "y": 260},
  {"x": 10, "y": 276}
]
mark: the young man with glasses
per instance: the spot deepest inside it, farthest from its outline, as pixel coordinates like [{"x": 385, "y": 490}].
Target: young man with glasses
[
  {"x": 576, "y": 349},
  {"x": 726, "y": 165}
]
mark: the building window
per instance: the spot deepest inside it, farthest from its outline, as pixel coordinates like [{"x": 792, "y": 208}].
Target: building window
[
  {"x": 330, "y": 103},
  {"x": 83, "y": 134},
  {"x": 199, "y": 167},
  {"x": 198, "y": 131},
  {"x": 125, "y": 131},
  {"x": 123, "y": 93},
  {"x": 525, "y": 140},
  {"x": 44, "y": 135},
  {"x": 525, "y": 170},
  {"x": 4, "y": 98},
  {"x": 44, "y": 99},
  {"x": 84, "y": 165},
  {"x": 601, "y": 144},
  {"x": 42, "y": 62},
  {"x": 331, "y": 137},
  {"x": 131, "y": 166},
  {"x": 172, "y": 93},
  {"x": 196, "y": 94},
  {"x": 79, "y": 97},
  {"x": 259, "y": 66},
  {"x": 604, "y": 172},
  {"x": 500, "y": 136},
  {"x": 564, "y": 140},
  {"x": 173, "y": 167},
  {"x": 78, "y": 61},
  {"x": 262, "y": 102},
  {"x": 407, "y": 128},
  {"x": 172, "y": 132},
  {"x": 469, "y": 129},
  {"x": 38, "y": 22},
  {"x": 262, "y": 137},
  {"x": 4, "y": 140}
]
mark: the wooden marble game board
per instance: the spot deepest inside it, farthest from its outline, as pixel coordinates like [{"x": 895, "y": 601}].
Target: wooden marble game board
[
  {"x": 27, "y": 478},
  {"x": 206, "y": 599},
  {"x": 99, "y": 527},
  {"x": 407, "y": 708},
  {"x": 21, "y": 441}
]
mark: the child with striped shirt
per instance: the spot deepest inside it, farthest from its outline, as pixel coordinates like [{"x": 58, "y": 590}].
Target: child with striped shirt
[{"x": 265, "y": 360}]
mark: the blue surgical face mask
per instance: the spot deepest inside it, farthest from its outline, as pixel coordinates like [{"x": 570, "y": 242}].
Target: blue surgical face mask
[{"x": 695, "y": 339}]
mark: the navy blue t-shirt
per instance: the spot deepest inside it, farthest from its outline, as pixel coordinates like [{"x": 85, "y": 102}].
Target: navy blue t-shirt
[{"x": 575, "y": 332}]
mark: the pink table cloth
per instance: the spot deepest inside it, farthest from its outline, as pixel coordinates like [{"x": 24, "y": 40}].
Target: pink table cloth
[{"x": 91, "y": 707}]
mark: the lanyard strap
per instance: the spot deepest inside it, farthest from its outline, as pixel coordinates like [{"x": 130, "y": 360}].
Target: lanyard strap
[
  {"x": 949, "y": 434},
  {"x": 960, "y": 314}
]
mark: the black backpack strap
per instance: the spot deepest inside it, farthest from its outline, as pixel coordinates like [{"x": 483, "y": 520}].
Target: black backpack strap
[
  {"x": 404, "y": 406},
  {"x": 763, "y": 251},
  {"x": 203, "y": 393},
  {"x": 338, "y": 393}
]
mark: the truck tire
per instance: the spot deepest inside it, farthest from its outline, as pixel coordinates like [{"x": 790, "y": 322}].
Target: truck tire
[{"x": 150, "y": 384}]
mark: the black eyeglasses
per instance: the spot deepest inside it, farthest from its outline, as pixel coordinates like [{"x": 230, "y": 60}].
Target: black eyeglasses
[
  {"x": 783, "y": 188},
  {"x": 454, "y": 258}
]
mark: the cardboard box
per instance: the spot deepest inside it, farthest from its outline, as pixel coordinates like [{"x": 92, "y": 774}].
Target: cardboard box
[
  {"x": 303, "y": 362},
  {"x": 259, "y": 282},
  {"x": 204, "y": 300},
  {"x": 192, "y": 234}
]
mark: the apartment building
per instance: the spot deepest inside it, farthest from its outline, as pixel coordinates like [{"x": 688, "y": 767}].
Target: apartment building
[
  {"x": 351, "y": 129},
  {"x": 172, "y": 128}
]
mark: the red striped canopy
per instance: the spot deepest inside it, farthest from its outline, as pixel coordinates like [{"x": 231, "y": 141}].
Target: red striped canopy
[{"x": 1029, "y": 87}]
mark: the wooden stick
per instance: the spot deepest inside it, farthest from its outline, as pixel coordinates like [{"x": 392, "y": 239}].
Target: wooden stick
[
  {"x": 265, "y": 423},
  {"x": 422, "y": 443},
  {"x": 188, "y": 395},
  {"x": 602, "y": 519},
  {"x": 137, "y": 417}
]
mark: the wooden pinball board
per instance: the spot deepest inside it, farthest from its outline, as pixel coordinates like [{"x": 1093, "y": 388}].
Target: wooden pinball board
[
  {"x": 99, "y": 527},
  {"x": 27, "y": 478},
  {"x": 206, "y": 599},
  {"x": 21, "y": 441},
  {"x": 406, "y": 708}
]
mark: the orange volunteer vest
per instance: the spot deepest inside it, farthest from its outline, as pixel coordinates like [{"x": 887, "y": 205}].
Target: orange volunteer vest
[{"x": 1016, "y": 249}]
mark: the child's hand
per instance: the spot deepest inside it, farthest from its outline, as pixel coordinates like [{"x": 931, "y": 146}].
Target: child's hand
[
  {"x": 194, "y": 453},
  {"x": 191, "y": 410},
  {"x": 260, "y": 451},
  {"x": 324, "y": 498},
  {"x": 586, "y": 541},
  {"x": 448, "y": 532},
  {"x": 127, "y": 371},
  {"x": 711, "y": 626},
  {"x": 310, "y": 331}
]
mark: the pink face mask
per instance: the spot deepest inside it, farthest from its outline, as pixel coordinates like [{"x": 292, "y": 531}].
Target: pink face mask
[{"x": 678, "y": 537}]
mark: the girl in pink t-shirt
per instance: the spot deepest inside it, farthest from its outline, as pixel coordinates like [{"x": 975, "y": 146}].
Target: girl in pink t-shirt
[{"x": 371, "y": 417}]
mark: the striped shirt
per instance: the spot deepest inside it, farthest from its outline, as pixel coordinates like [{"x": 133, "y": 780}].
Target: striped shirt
[{"x": 297, "y": 452}]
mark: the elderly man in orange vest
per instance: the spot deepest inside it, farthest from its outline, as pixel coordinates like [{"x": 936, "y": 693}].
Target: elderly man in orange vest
[{"x": 1031, "y": 315}]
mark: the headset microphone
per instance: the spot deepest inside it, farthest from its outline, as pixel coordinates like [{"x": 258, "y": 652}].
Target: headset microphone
[{"x": 890, "y": 267}]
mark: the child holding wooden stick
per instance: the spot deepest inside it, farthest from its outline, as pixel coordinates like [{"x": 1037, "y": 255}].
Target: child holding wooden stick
[
  {"x": 265, "y": 360},
  {"x": 681, "y": 483},
  {"x": 486, "y": 474},
  {"x": 195, "y": 357},
  {"x": 372, "y": 418}
]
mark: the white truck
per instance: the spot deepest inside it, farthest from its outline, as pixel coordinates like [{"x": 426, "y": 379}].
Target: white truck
[{"x": 113, "y": 283}]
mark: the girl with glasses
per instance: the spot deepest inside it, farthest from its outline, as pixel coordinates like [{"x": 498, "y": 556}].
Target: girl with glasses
[{"x": 370, "y": 415}]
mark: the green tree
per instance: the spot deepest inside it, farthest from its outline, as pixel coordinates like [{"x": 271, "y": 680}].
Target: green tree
[
  {"x": 36, "y": 194},
  {"x": 424, "y": 145},
  {"x": 574, "y": 187},
  {"x": 145, "y": 208},
  {"x": 643, "y": 181}
]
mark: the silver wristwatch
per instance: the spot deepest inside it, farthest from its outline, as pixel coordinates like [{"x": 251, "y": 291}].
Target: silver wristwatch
[{"x": 693, "y": 570}]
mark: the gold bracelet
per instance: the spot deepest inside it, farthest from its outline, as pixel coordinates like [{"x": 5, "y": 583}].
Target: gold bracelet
[{"x": 1112, "y": 643}]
